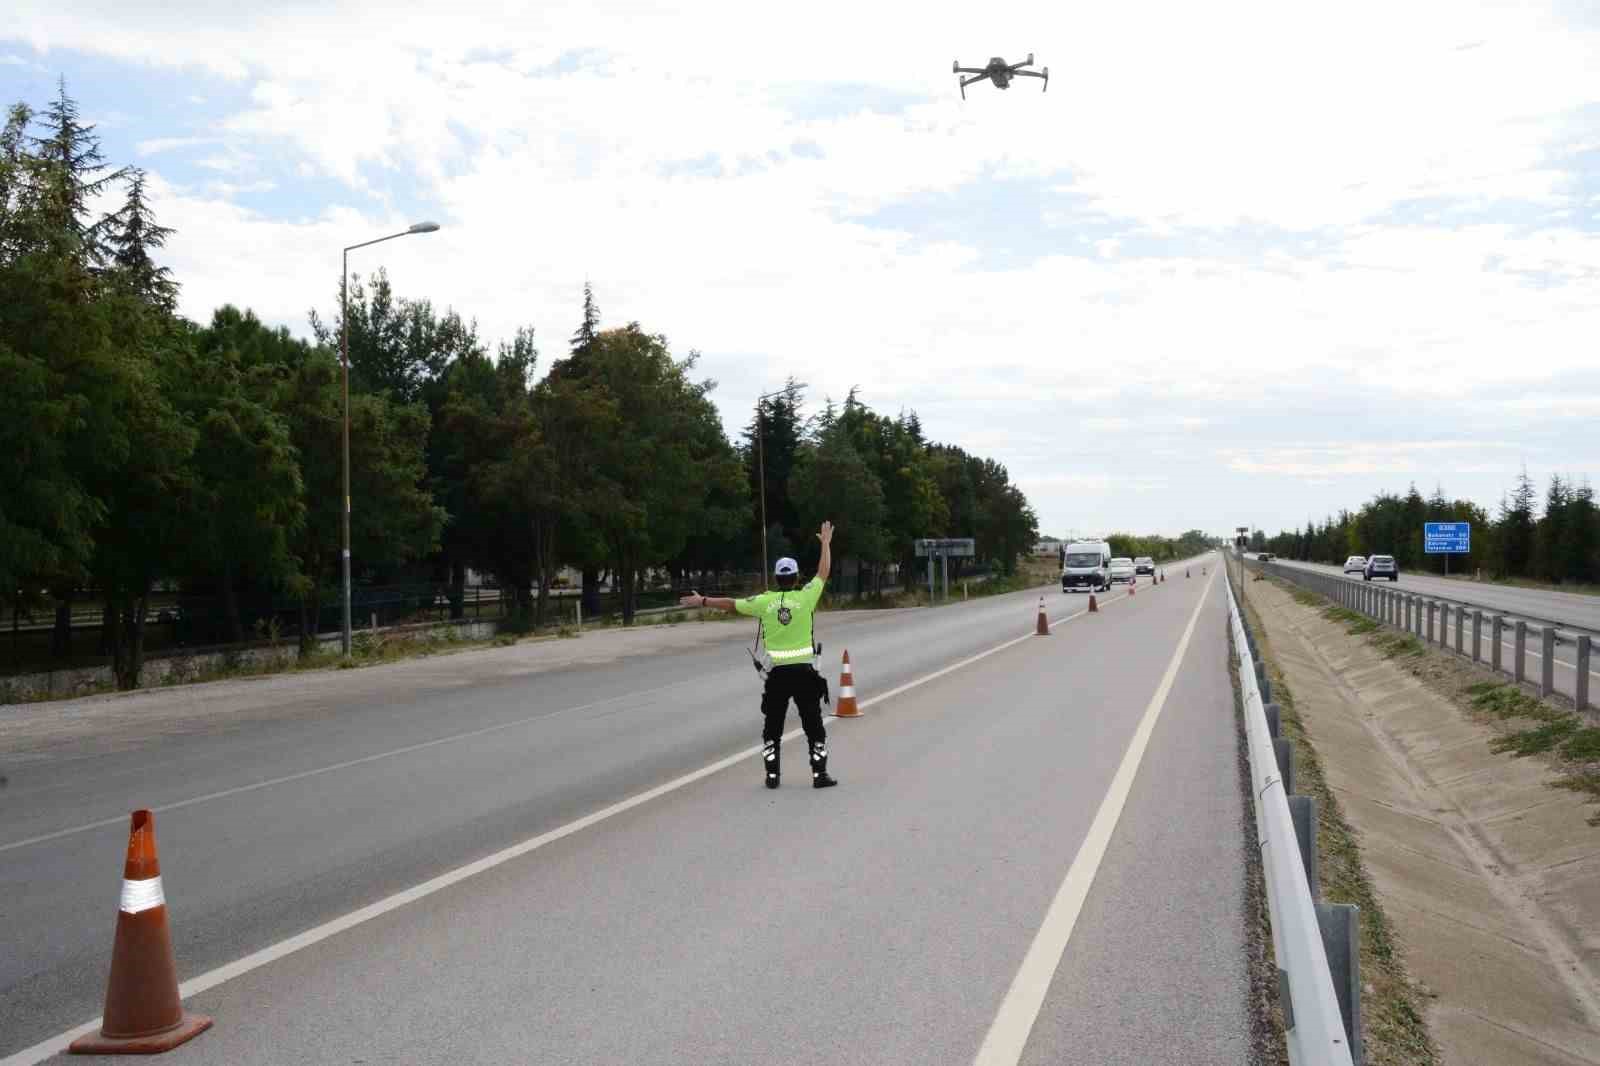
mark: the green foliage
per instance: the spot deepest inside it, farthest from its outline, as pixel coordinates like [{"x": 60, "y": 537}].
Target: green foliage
[
  {"x": 1562, "y": 545},
  {"x": 832, "y": 481},
  {"x": 1540, "y": 739},
  {"x": 1160, "y": 549},
  {"x": 147, "y": 449},
  {"x": 1582, "y": 745},
  {"x": 1509, "y": 701}
]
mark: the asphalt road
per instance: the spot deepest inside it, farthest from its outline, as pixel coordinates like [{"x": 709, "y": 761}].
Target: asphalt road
[
  {"x": 1535, "y": 606},
  {"x": 1568, "y": 608},
  {"x": 882, "y": 921}
]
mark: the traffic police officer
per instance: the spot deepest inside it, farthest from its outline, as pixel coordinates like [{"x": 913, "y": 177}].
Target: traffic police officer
[{"x": 786, "y": 631}]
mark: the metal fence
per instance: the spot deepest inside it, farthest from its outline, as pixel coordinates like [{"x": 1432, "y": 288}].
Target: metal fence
[
  {"x": 1316, "y": 945},
  {"x": 1549, "y": 657}
]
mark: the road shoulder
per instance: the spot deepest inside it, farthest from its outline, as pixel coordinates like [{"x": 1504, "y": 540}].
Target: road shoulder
[{"x": 1482, "y": 870}]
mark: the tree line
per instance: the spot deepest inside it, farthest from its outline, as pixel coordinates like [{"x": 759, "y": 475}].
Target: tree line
[
  {"x": 1558, "y": 542},
  {"x": 1161, "y": 549},
  {"x": 151, "y": 449}
]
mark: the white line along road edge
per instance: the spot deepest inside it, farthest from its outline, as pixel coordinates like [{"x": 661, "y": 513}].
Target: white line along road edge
[
  {"x": 203, "y": 982},
  {"x": 1008, "y": 1035}
]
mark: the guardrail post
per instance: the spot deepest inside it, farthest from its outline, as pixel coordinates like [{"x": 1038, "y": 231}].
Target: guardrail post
[
  {"x": 1274, "y": 713},
  {"x": 1303, "y": 809},
  {"x": 1431, "y": 639},
  {"x": 1519, "y": 669},
  {"x": 1263, "y": 683},
  {"x": 1405, "y": 599},
  {"x": 1580, "y": 692},
  {"x": 1283, "y": 748},
  {"x": 1461, "y": 631},
  {"x": 1547, "y": 664},
  {"x": 1340, "y": 924},
  {"x": 1477, "y": 636},
  {"x": 1496, "y": 640}
]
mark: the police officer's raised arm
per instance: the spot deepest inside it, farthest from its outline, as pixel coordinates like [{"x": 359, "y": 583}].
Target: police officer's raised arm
[{"x": 825, "y": 564}]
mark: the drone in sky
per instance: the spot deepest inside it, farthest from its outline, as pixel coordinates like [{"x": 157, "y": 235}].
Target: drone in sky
[{"x": 1000, "y": 72}]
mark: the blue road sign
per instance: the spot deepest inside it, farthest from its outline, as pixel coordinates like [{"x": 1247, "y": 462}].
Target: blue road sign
[{"x": 1447, "y": 537}]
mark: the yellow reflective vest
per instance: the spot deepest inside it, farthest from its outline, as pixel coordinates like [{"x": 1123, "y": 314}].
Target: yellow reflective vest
[{"x": 785, "y": 620}]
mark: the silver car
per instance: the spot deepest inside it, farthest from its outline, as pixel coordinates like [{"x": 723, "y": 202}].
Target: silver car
[
  {"x": 1122, "y": 570},
  {"x": 1356, "y": 564},
  {"x": 1382, "y": 566}
]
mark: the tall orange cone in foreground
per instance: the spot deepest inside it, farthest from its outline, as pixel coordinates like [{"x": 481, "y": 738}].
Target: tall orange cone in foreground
[
  {"x": 143, "y": 1012},
  {"x": 1094, "y": 608},
  {"x": 847, "y": 691},
  {"x": 1043, "y": 627},
  {"x": 1133, "y": 587}
]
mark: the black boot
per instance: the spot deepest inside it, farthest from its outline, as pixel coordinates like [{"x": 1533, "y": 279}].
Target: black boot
[
  {"x": 819, "y": 766},
  {"x": 769, "y": 757}
]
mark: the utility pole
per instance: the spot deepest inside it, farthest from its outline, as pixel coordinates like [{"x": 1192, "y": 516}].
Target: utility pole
[{"x": 761, "y": 463}]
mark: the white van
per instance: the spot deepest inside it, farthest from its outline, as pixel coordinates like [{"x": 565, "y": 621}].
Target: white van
[{"x": 1087, "y": 567}]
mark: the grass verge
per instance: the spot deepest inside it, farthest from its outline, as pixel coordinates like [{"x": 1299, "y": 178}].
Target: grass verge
[
  {"x": 1394, "y": 1032},
  {"x": 1266, "y": 1018}
]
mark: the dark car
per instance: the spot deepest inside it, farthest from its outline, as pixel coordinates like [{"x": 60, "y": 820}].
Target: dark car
[{"x": 1382, "y": 566}]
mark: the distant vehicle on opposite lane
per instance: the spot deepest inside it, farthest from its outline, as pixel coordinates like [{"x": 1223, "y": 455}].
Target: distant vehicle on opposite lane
[
  {"x": 1356, "y": 564},
  {"x": 1122, "y": 570},
  {"x": 1144, "y": 565},
  {"x": 1381, "y": 566}
]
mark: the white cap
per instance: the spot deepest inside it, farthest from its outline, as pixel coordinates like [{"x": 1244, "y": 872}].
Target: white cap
[{"x": 786, "y": 567}]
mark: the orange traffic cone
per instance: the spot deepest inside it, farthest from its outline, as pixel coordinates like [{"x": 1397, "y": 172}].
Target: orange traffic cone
[
  {"x": 847, "y": 691},
  {"x": 1186, "y": 572},
  {"x": 1043, "y": 627},
  {"x": 1133, "y": 587},
  {"x": 1093, "y": 607},
  {"x": 143, "y": 1012}
]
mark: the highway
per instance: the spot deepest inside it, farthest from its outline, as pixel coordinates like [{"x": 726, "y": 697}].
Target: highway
[
  {"x": 562, "y": 852},
  {"x": 1535, "y": 606}
]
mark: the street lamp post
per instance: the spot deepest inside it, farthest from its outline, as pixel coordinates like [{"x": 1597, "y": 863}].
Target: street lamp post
[
  {"x": 761, "y": 459},
  {"x": 344, "y": 360}
]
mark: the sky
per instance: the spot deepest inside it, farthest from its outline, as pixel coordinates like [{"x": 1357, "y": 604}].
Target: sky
[{"x": 1242, "y": 263}]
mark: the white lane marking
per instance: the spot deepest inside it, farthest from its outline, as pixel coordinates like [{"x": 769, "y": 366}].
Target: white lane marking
[
  {"x": 1008, "y": 1035},
  {"x": 303, "y": 774},
  {"x": 254, "y": 961}
]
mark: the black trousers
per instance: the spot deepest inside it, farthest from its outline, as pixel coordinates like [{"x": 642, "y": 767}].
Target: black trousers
[{"x": 801, "y": 684}]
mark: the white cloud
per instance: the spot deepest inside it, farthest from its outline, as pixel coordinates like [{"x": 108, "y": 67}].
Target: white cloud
[
  {"x": 1158, "y": 129},
  {"x": 157, "y": 145}
]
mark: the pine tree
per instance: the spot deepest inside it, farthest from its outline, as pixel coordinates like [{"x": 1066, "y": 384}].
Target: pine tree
[
  {"x": 1552, "y": 532},
  {"x": 1517, "y": 529},
  {"x": 14, "y": 183},
  {"x": 1583, "y": 539},
  {"x": 69, "y": 158},
  {"x": 589, "y": 328},
  {"x": 130, "y": 234}
]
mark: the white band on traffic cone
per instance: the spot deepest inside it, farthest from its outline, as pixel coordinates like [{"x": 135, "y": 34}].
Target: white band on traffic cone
[{"x": 140, "y": 896}]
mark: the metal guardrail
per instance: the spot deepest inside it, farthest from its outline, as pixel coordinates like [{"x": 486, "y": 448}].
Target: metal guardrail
[
  {"x": 1321, "y": 1028},
  {"x": 1430, "y": 618}
]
